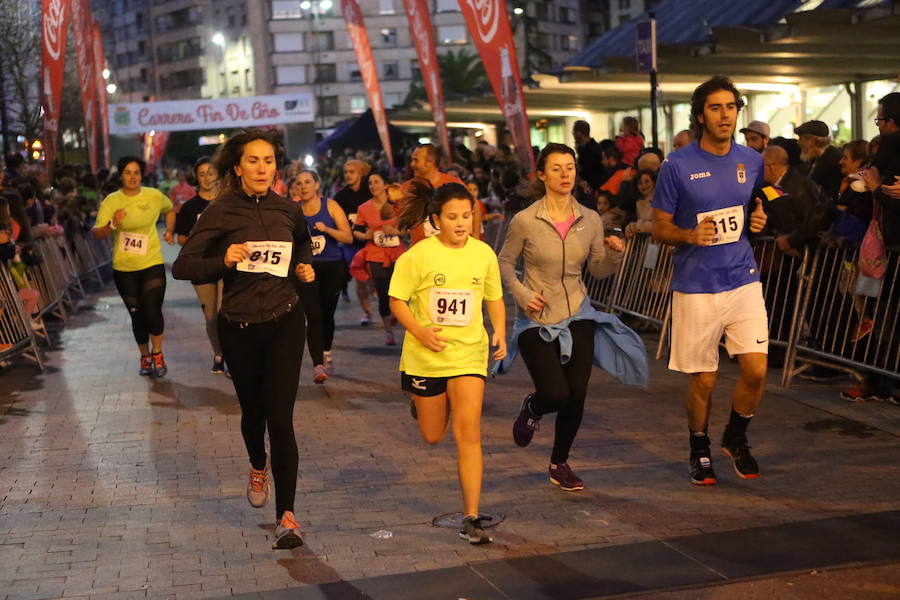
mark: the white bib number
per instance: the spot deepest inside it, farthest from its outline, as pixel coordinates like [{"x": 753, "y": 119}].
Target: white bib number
[
  {"x": 451, "y": 307},
  {"x": 133, "y": 243},
  {"x": 318, "y": 244},
  {"x": 268, "y": 257},
  {"x": 729, "y": 224},
  {"x": 429, "y": 228},
  {"x": 384, "y": 240}
]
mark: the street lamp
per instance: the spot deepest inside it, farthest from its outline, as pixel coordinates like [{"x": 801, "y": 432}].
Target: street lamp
[
  {"x": 111, "y": 88},
  {"x": 518, "y": 10},
  {"x": 105, "y": 73},
  {"x": 219, "y": 39}
]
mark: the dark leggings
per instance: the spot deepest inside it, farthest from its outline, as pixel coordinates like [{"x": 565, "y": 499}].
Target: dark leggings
[
  {"x": 381, "y": 275},
  {"x": 309, "y": 298},
  {"x": 331, "y": 275},
  {"x": 143, "y": 292},
  {"x": 560, "y": 388},
  {"x": 264, "y": 361}
]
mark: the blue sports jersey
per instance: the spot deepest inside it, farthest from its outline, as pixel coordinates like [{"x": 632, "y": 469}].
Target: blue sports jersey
[{"x": 693, "y": 181}]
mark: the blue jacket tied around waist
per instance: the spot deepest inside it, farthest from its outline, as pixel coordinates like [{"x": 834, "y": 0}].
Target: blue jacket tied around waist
[{"x": 617, "y": 349}]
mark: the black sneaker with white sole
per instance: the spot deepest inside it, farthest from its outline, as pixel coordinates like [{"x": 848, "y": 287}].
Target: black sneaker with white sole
[{"x": 473, "y": 532}]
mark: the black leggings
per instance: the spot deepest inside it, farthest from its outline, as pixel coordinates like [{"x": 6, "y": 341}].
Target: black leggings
[
  {"x": 560, "y": 388},
  {"x": 264, "y": 361},
  {"x": 143, "y": 292},
  {"x": 331, "y": 275},
  {"x": 309, "y": 298},
  {"x": 381, "y": 275}
]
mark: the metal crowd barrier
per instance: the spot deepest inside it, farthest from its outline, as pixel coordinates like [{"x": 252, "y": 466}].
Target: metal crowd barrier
[
  {"x": 821, "y": 311},
  {"x": 16, "y": 335},
  {"x": 57, "y": 278}
]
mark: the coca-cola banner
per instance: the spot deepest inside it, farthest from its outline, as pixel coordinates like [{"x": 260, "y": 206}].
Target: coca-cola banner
[
  {"x": 100, "y": 58},
  {"x": 488, "y": 24},
  {"x": 359, "y": 38},
  {"x": 423, "y": 37},
  {"x": 225, "y": 113},
  {"x": 81, "y": 29},
  {"x": 54, "y": 26}
]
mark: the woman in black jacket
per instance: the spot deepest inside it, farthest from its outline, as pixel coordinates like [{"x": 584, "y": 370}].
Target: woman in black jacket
[{"x": 256, "y": 241}]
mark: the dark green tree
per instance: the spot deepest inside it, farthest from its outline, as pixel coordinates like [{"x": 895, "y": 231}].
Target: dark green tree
[{"x": 462, "y": 76}]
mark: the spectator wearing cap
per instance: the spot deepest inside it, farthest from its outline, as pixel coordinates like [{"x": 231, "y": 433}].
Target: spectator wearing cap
[
  {"x": 756, "y": 135},
  {"x": 823, "y": 159}
]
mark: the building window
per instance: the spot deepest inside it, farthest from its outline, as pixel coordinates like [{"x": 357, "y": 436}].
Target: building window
[
  {"x": 386, "y": 7},
  {"x": 324, "y": 41},
  {"x": 328, "y": 105},
  {"x": 624, "y": 4},
  {"x": 326, "y": 73},
  {"x": 447, "y": 6},
  {"x": 355, "y": 75},
  {"x": 390, "y": 70},
  {"x": 568, "y": 42},
  {"x": 358, "y": 104},
  {"x": 452, "y": 34},
  {"x": 389, "y": 37},
  {"x": 566, "y": 15},
  {"x": 287, "y": 42},
  {"x": 290, "y": 75},
  {"x": 248, "y": 79},
  {"x": 415, "y": 71},
  {"x": 544, "y": 12},
  {"x": 286, "y": 9}
]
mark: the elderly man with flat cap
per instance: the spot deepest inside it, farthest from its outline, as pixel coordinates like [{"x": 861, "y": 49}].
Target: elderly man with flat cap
[
  {"x": 823, "y": 158},
  {"x": 756, "y": 135}
]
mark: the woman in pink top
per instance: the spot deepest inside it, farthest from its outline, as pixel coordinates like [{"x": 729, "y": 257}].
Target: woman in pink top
[{"x": 383, "y": 244}]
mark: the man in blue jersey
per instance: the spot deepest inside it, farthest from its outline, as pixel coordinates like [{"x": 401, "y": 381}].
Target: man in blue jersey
[{"x": 704, "y": 195}]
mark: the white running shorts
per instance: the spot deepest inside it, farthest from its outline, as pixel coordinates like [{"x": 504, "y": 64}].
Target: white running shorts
[{"x": 699, "y": 320}]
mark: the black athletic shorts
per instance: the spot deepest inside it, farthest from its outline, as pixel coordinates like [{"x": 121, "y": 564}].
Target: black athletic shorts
[{"x": 428, "y": 386}]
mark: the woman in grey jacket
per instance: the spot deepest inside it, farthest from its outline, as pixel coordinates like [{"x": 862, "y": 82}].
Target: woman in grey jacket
[{"x": 555, "y": 236}]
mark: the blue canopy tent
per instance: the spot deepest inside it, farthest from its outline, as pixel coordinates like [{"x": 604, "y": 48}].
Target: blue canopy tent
[{"x": 361, "y": 134}]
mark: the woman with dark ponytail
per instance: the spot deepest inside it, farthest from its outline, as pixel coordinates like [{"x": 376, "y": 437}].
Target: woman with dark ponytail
[
  {"x": 257, "y": 242},
  {"x": 436, "y": 293}
]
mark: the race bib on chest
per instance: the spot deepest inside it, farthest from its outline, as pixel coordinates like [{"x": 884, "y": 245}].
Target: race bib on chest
[
  {"x": 429, "y": 228},
  {"x": 729, "y": 223},
  {"x": 267, "y": 257},
  {"x": 384, "y": 240},
  {"x": 133, "y": 243},
  {"x": 451, "y": 307},
  {"x": 318, "y": 244}
]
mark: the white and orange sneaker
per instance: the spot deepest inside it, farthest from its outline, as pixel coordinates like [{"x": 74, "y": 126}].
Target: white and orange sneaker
[
  {"x": 287, "y": 533},
  {"x": 258, "y": 488}
]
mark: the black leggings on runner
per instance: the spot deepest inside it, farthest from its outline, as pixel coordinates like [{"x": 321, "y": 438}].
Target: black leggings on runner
[
  {"x": 330, "y": 276},
  {"x": 309, "y": 298},
  {"x": 143, "y": 292},
  {"x": 381, "y": 275},
  {"x": 264, "y": 361},
  {"x": 560, "y": 388}
]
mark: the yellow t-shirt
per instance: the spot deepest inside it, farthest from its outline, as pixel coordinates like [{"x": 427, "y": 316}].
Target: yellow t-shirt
[
  {"x": 445, "y": 287},
  {"x": 135, "y": 242}
]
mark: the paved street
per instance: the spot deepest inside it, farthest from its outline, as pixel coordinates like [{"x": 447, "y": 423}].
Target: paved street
[{"x": 113, "y": 486}]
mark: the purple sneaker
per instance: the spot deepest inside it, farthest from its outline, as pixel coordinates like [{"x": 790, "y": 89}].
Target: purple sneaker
[
  {"x": 565, "y": 478},
  {"x": 525, "y": 424}
]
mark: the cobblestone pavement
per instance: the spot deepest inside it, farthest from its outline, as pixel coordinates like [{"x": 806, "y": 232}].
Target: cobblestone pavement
[{"x": 113, "y": 486}]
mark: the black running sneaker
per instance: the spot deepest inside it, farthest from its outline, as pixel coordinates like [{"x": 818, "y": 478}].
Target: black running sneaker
[
  {"x": 701, "y": 468},
  {"x": 473, "y": 532},
  {"x": 563, "y": 476},
  {"x": 525, "y": 424},
  {"x": 739, "y": 450}
]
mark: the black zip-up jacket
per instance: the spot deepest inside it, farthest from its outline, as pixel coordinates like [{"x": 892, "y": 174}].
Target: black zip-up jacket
[{"x": 235, "y": 218}]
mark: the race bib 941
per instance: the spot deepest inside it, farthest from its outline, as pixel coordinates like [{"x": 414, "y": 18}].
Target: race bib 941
[
  {"x": 268, "y": 257},
  {"x": 729, "y": 223},
  {"x": 451, "y": 307},
  {"x": 133, "y": 243}
]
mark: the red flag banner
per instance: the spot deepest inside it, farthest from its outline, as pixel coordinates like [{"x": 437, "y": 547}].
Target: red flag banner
[
  {"x": 54, "y": 26},
  {"x": 359, "y": 37},
  {"x": 81, "y": 29},
  {"x": 100, "y": 64},
  {"x": 488, "y": 23},
  {"x": 423, "y": 37},
  {"x": 155, "y": 143}
]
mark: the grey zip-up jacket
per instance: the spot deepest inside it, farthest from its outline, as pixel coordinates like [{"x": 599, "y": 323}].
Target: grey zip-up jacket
[{"x": 553, "y": 265}]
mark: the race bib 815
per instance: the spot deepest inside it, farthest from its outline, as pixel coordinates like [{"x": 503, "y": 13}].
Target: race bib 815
[
  {"x": 268, "y": 257},
  {"x": 729, "y": 223}
]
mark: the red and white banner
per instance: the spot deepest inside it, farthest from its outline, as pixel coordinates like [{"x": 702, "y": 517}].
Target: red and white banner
[
  {"x": 359, "y": 38},
  {"x": 81, "y": 29},
  {"x": 54, "y": 26},
  {"x": 155, "y": 143},
  {"x": 488, "y": 24},
  {"x": 423, "y": 37},
  {"x": 100, "y": 65}
]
